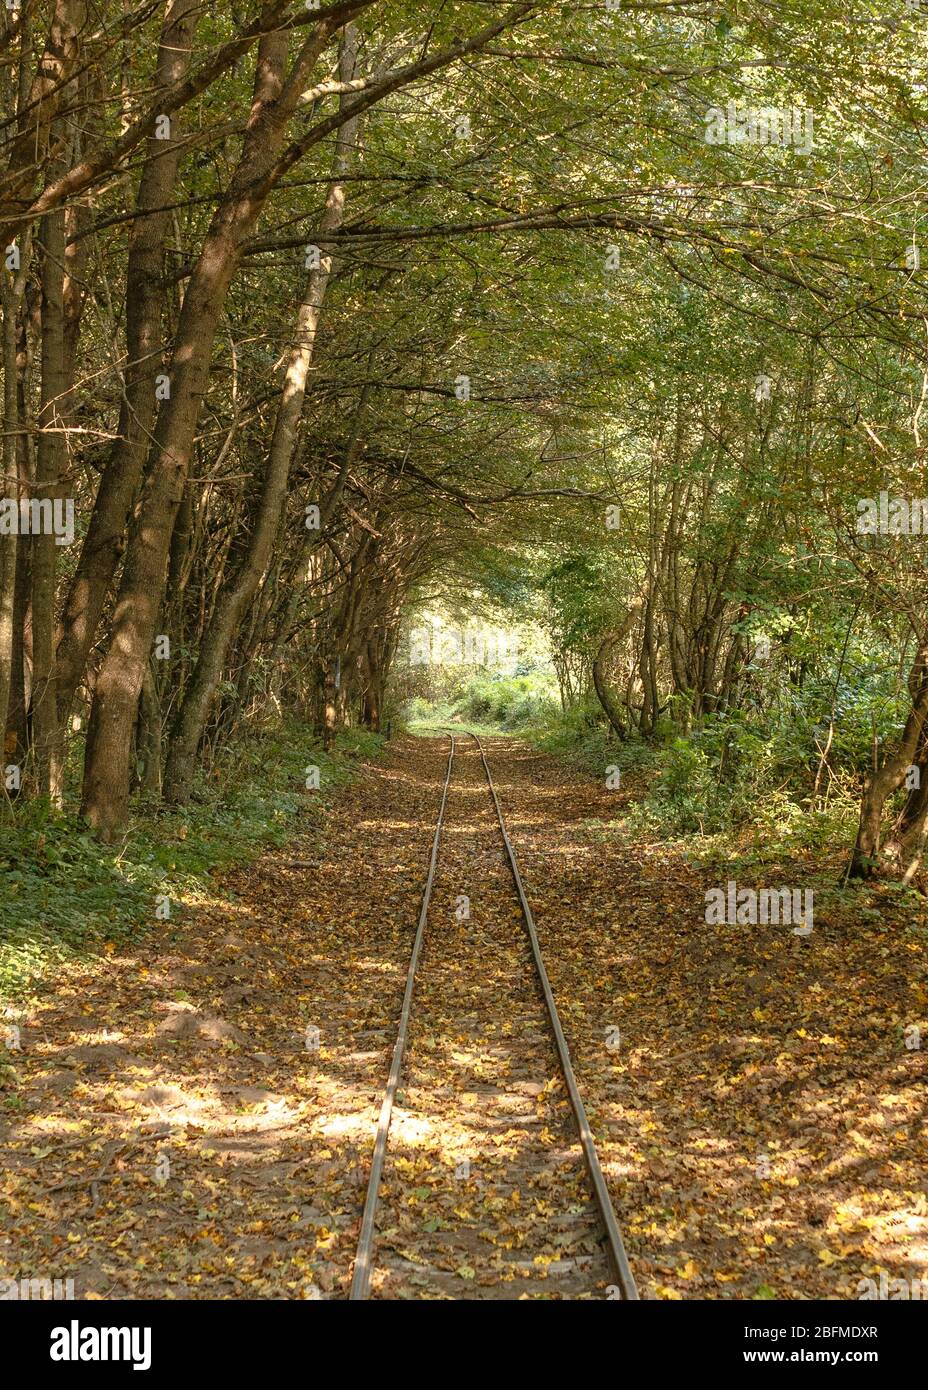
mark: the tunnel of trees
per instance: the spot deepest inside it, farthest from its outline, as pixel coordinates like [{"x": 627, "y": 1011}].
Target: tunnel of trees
[
  {"x": 549, "y": 374},
  {"x": 311, "y": 312}
]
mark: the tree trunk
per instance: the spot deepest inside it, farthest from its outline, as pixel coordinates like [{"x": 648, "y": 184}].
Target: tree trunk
[
  {"x": 16, "y": 742},
  {"x": 145, "y": 302},
  {"x": 46, "y": 731},
  {"x": 148, "y": 741},
  {"x": 329, "y": 714},
  {"x": 9, "y": 545},
  {"x": 601, "y": 686},
  {"x": 890, "y": 775},
  {"x": 372, "y": 696},
  {"x": 236, "y": 595},
  {"x": 105, "y": 801},
  {"x": 47, "y": 95},
  {"x": 612, "y": 639}
]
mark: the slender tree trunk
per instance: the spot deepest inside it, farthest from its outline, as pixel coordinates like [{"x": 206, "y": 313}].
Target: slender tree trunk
[
  {"x": 234, "y": 598},
  {"x": 145, "y": 304},
  {"x": 9, "y": 545},
  {"x": 890, "y": 775},
  {"x": 611, "y": 640},
  {"x": 46, "y": 731},
  {"x": 148, "y": 741},
  {"x": 37, "y": 143},
  {"x": 48, "y": 93},
  {"x": 106, "y": 771},
  {"x": 329, "y": 726},
  {"x": 646, "y": 668},
  {"x": 370, "y": 690},
  {"x": 310, "y": 542},
  {"x": 601, "y": 686},
  {"x": 17, "y": 722}
]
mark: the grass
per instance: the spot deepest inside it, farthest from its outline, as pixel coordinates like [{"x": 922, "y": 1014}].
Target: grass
[
  {"x": 430, "y": 728},
  {"x": 63, "y": 895}
]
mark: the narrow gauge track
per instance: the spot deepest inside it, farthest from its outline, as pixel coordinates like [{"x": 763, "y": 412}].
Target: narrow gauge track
[{"x": 563, "y": 1214}]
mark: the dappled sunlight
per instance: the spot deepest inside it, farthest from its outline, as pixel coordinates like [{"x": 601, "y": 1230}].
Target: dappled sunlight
[
  {"x": 484, "y": 1181},
  {"x": 378, "y": 827},
  {"x": 741, "y": 1108},
  {"x": 754, "y": 1134},
  {"x": 342, "y": 1127}
]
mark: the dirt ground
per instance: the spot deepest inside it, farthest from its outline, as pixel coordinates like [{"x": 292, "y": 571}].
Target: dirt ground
[{"x": 196, "y": 1116}]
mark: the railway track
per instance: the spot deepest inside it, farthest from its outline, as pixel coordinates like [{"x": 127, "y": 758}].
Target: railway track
[{"x": 546, "y": 1164}]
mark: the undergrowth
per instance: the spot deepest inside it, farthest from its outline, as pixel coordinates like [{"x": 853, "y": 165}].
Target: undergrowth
[
  {"x": 63, "y": 894},
  {"x": 748, "y": 780}
]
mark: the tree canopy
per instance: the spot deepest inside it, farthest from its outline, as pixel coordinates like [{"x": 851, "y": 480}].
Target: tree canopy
[{"x": 613, "y": 312}]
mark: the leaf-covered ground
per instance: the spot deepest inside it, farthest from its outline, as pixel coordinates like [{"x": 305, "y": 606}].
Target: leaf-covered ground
[
  {"x": 175, "y": 1127},
  {"x": 485, "y": 1191}
]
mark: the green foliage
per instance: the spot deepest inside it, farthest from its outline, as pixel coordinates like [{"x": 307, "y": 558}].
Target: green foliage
[
  {"x": 489, "y": 701},
  {"x": 511, "y": 702},
  {"x": 580, "y": 737},
  {"x": 742, "y": 770}
]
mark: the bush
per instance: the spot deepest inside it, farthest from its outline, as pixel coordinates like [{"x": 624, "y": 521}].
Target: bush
[
  {"x": 512, "y": 702},
  {"x": 505, "y": 702},
  {"x": 730, "y": 771}
]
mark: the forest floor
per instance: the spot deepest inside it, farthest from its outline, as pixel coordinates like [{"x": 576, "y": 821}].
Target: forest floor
[{"x": 178, "y": 1128}]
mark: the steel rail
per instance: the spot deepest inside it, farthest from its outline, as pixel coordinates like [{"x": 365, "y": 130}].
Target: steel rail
[
  {"x": 361, "y": 1279},
  {"x": 617, "y": 1256}
]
